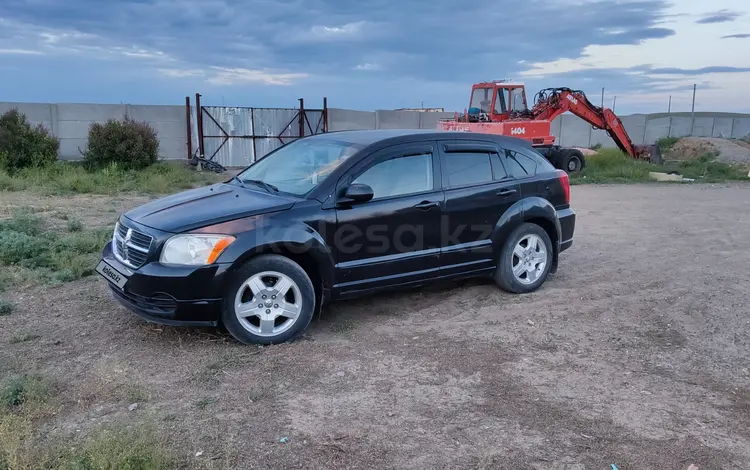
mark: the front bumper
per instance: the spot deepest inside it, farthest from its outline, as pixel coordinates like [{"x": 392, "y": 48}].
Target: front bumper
[
  {"x": 170, "y": 295},
  {"x": 567, "y": 218}
]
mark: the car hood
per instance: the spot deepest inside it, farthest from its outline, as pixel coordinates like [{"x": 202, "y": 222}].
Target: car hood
[{"x": 208, "y": 205}]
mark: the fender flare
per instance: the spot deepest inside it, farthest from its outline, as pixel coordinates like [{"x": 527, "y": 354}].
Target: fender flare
[
  {"x": 293, "y": 238},
  {"x": 532, "y": 208}
]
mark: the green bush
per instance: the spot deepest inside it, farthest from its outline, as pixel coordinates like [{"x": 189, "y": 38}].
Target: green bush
[
  {"x": 666, "y": 143},
  {"x": 23, "y": 145},
  {"x": 128, "y": 143}
]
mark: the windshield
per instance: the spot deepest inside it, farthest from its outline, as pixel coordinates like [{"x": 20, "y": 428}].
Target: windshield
[
  {"x": 481, "y": 98},
  {"x": 299, "y": 166}
]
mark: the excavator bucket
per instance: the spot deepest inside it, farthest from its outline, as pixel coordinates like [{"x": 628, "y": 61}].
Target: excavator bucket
[
  {"x": 650, "y": 153},
  {"x": 655, "y": 156}
]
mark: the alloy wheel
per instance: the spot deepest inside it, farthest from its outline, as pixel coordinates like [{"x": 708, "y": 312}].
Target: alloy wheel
[
  {"x": 268, "y": 303},
  {"x": 529, "y": 259}
]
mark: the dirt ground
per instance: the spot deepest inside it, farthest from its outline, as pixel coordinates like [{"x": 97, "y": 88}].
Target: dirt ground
[
  {"x": 636, "y": 353},
  {"x": 730, "y": 151}
]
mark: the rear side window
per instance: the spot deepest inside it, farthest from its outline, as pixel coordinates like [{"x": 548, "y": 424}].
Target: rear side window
[{"x": 466, "y": 168}]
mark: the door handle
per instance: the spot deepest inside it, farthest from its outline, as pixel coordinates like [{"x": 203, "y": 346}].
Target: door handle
[
  {"x": 506, "y": 192},
  {"x": 427, "y": 205}
]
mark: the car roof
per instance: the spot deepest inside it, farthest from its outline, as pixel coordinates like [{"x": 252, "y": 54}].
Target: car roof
[{"x": 371, "y": 136}]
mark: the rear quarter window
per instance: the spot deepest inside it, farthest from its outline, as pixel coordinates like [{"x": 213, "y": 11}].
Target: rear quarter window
[
  {"x": 542, "y": 164},
  {"x": 519, "y": 165}
]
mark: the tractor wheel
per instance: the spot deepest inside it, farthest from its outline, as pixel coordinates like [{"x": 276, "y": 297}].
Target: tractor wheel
[{"x": 572, "y": 160}]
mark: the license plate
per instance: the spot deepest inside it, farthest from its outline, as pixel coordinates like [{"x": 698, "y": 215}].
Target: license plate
[{"x": 111, "y": 274}]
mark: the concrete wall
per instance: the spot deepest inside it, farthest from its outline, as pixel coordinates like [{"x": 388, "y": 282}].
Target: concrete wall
[
  {"x": 70, "y": 122},
  {"x": 569, "y": 130}
]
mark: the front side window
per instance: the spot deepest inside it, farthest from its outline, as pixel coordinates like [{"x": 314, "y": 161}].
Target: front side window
[
  {"x": 301, "y": 165},
  {"x": 399, "y": 176},
  {"x": 481, "y": 98},
  {"x": 467, "y": 168}
]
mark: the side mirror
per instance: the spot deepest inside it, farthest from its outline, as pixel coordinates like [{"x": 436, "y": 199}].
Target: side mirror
[{"x": 358, "y": 193}]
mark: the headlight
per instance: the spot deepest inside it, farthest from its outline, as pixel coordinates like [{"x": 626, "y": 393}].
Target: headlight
[{"x": 194, "y": 249}]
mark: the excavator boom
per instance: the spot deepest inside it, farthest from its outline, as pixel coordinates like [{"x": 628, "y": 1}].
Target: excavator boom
[{"x": 552, "y": 102}]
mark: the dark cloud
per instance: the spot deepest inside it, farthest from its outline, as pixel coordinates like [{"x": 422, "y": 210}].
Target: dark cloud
[
  {"x": 419, "y": 38},
  {"x": 736, "y": 36},
  {"x": 721, "y": 16},
  {"x": 379, "y": 53}
]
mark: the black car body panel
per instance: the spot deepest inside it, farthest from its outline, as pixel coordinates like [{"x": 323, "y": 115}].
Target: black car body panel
[
  {"x": 452, "y": 226},
  {"x": 213, "y": 204}
]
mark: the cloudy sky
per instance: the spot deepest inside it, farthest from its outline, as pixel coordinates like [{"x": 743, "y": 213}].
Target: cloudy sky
[{"x": 374, "y": 54}]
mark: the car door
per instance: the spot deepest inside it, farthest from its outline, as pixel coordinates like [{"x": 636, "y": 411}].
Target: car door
[
  {"x": 478, "y": 191},
  {"x": 394, "y": 237}
]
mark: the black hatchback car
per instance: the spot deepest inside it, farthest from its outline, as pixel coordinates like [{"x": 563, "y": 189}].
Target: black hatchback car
[{"x": 338, "y": 215}]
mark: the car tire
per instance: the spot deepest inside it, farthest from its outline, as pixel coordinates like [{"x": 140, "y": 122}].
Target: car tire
[
  {"x": 572, "y": 161},
  {"x": 255, "y": 312},
  {"x": 515, "y": 256}
]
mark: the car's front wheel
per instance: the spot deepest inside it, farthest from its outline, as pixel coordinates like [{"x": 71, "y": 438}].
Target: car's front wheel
[
  {"x": 270, "y": 300},
  {"x": 525, "y": 259}
]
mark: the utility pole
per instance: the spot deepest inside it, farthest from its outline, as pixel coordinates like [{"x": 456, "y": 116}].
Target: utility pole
[
  {"x": 669, "y": 108},
  {"x": 692, "y": 111},
  {"x": 602, "y": 97},
  {"x": 614, "y": 103}
]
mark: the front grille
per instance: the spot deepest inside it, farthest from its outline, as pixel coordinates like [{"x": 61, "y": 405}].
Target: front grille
[
  {"x": 158, "y": 305},
  {"x": 130, "y": 246}
]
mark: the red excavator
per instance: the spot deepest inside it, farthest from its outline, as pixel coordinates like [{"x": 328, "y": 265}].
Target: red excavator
[{"x": 499, "y": 107}]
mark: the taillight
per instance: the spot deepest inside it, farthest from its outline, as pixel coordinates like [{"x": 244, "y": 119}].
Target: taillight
[{"x": 565, "y": 182}]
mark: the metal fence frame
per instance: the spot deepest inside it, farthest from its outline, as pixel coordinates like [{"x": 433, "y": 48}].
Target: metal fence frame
[{"x": 301, "y": 120}]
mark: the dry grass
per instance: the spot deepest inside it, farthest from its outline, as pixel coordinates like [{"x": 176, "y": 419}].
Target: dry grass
[{"x": 27, "y": 401}]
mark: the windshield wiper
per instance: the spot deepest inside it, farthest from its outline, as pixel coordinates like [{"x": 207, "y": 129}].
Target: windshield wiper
[
  {"x": 234, "y": 178},
  {"x": 268, "y": 186}
]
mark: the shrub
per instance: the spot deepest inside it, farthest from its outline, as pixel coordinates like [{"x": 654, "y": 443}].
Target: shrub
[
  {"x": 666, "y": 143},
  {"x": 128, "y": 143},
  {"x": 23, "y": 145}
]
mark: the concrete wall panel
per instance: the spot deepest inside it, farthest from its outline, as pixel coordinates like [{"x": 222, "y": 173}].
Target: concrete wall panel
[
  {"x": 69, "y": 148},
  {"x": 74, "y": 129},
  {"x": 681, "y": 126},
  {"x": 656, "y": 129},
  {"x": 704, "y": 127},
  {"x": 346, "y": 119},
  {"x": 599, "y": 136},
  {"x": 556, "y": 129},
  {"x": 397, "y": 119},
  {"x": 36, "y": 113},
  {"x": 173, "y": 149},
  {"x": 575, "y": 131},
  {"x": 430, "y": 120},
  {"x": 741, "y": 128},
  {"x": 723, "y": 127},
  {"x": 157, "y": 113},
  {"x": 90, "y": 112},
  {"x": 635, "y": 125}
]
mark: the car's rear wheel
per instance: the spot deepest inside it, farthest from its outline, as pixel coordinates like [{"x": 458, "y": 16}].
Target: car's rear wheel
[
  {"x": 525, "y": 259},
  {"x": 270, "y": 300}
]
